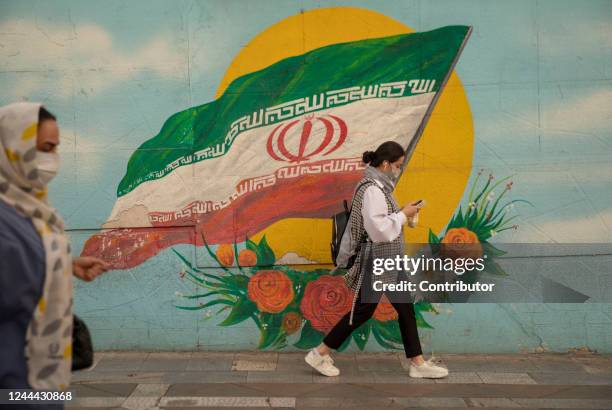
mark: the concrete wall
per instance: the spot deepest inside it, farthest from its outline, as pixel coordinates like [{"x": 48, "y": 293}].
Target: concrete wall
[{"x": 535, "y": 77}]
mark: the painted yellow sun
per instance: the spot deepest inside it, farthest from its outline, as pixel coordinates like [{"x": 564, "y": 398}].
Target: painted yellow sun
[{"x": 441, "y": 164}]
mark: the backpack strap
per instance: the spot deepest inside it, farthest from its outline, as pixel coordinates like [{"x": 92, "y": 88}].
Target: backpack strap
[{"x": 364, "y": 235}]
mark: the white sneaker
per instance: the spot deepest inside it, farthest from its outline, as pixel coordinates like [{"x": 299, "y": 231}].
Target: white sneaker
[
  {"x": 324, "y": 364},
  {"x": 428, "y": 370}
]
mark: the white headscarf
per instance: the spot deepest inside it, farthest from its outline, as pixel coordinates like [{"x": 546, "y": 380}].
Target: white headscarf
[{"x": 49, "y": 334}]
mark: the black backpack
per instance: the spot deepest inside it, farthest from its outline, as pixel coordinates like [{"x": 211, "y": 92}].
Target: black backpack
[
  {"x": 82, "y": 349},
  {"x": 339, "y": 227}
]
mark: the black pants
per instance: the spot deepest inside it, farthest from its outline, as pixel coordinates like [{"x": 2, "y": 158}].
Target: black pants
[{"x": 364, "y": 311}]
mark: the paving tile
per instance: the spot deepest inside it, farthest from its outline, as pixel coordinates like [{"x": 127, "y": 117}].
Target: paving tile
[
  {"x": 304, "y": 376},
  {"x": 460, "y": 377},
  {"x": 213, "y": 363},
  {"x": 291, "y": 361},
  {"x": 103, "y": 389},
  {"x": 255, "y": 362},
  {"x": 505, "y": 364},
  {"x": 216, "y": 361},
  {"x": 228, "y": 401},
  {"x": 290, "y": 389},
  {"x": 506, "y": 378},
  {"x": 248, "y": 365},
  {"x": 164, "y": 364},
  {"x": 462, "y": 363},
  {"x": 489, "y": 402},
  {"x": 595, "y": 364},
  {"x": 346, "y": 376},
  {"x": 430, "y": 402},
  {"x": 204, "y": 377},
  {"x": 578, "y": 392},
  {"x": 556, "y": 363},
  {"x": 213, "y": 389},
  {"x": 400, "y": 376},
  {"x": 344, "y": 402},
  {"x": 571, "y": 378},
  {"x": 89, "y": 402},
  {"x": 257, "y": 356},
  {"x": 118, "y": 377},
  {"x": 113, "y": 364},
  {"x": 553, "y": 403},
  {"x": 379, "y": 362},
  {"x": 353, "y": 390}
]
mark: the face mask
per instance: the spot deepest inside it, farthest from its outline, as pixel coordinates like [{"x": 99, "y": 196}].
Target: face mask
[
  {"x": 394, "y": 173},
  {"x": 47, "y": 166}
]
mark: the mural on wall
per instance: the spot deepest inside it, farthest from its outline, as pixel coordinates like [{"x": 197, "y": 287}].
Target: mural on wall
[
  {"x": 285, "y": 141},
  {"x": 534, "y": 94}
]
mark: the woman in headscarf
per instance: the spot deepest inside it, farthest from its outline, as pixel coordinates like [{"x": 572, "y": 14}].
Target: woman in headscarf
[
  {"x": 377, "y": 215},
  {"x": 36, "y": 264}
]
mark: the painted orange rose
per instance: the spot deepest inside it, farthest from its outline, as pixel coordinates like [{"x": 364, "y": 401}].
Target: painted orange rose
[
  {"x": 325, "y": 301},
  {"x": 292, "y": 321},
  {"x": 385, "y": 310},
  {"x": 460, "y": 243},
  {"x": 247, "y": 257},
  {"x": 225, "y": 254},
  {"x": 271, "y": 290}
]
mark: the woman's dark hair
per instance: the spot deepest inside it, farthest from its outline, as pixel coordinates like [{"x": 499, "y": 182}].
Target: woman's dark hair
[
  {"x": 43, "y": 114},
  {"x": 390, "y": 151}
]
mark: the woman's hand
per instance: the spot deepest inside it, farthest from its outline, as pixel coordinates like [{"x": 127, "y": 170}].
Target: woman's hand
[
  {"x": 410, "y": 210},
  {"x": 87, "y": 268}
]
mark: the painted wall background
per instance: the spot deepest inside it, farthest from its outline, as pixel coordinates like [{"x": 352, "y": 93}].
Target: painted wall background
[{"x": 537, "y": 78}]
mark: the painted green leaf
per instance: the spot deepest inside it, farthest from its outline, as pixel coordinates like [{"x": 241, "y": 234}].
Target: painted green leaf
[
  {"x": 236, "y": 281},
  {"x": 390, "y": 331},
  {"x": 240, "y": 311},
  {"x": 205, "y": 305},
  {"x": 424, "y": 307},
  {"x": 381, "y": 340},
  {"x": 272, "y": 334},
  {"x": 251, "y": 245},
  {"x": 266, "y": 253},
  {"x": 362, "y": 334},
  {"x": 421, "y": 322},
  {"x": 433, "y": 238},
  {"x": 309, "y": 337}
]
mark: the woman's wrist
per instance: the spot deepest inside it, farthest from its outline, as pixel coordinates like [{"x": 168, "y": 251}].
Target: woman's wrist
[{"x": 403, "y": 217}]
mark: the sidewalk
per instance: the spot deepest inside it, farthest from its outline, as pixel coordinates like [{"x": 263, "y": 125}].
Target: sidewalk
[{"x": 253, "y": 380}]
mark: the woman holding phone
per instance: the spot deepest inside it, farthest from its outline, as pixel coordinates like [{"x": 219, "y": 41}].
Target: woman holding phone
[{"x": 376, "y": 212}]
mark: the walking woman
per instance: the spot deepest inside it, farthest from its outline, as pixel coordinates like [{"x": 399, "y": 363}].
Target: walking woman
[
  {"x": 376, "y": 212},
  {"x": 36, "y": 266}
]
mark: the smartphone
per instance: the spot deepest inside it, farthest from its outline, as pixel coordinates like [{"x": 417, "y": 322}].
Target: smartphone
[{"x": 420, "y": 203}]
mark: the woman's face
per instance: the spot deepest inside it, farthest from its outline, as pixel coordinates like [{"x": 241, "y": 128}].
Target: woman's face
[
  {"x": 47, "y": 137},
  {"x": 392, "y": 168}
]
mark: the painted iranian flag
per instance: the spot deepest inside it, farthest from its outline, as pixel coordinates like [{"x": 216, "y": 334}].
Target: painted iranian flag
[{"x": 285, "y": 141}]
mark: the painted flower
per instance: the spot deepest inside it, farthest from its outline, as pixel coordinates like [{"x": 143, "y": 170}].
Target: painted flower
[
  {"x": 385, "y": 310},
  {"x": 247, "y": 257},
  {"x": 225, "y": 254},
  {"x": 271, "y": 290},
  {"x": 325, "y": 301},
  {"x": 461, "y": 243},
  {"x": 292, "y": 321}
]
